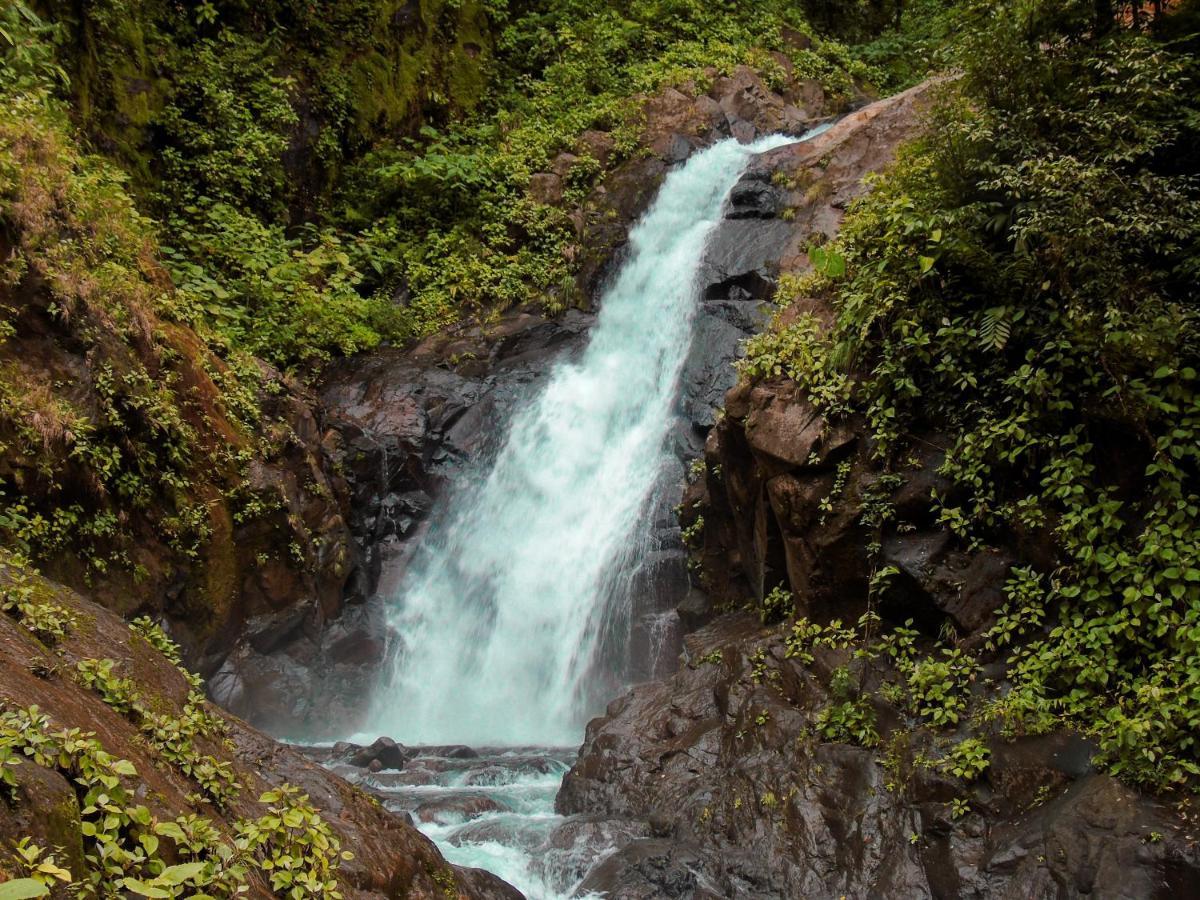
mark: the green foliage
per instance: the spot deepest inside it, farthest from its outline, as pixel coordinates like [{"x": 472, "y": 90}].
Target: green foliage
[
  {"x": 124, "y": 844},
  {"x": 939, "y": 686},
  {"x": 851, "y": 718},
  {"x": 27, "y": 58},
  {"x": 284, "y": 299},
  {"x": 294, "y": 845},
  {"x": 39, "y": 866},
  {"x": 100, "y": 675},
  {"x": 800, "y": 352},
  {"x": 130, "y": 851},
  {"x": 449, "y": 219},
  {"x": 173, "y": 737},
  {"x": 968, "y": 759},
  {"x": 153, "y": 634},
  {"x": 46, "y": 620},
  {"x": 1024, "y": 280},
  {"x": 226, "y": 126},
  {"x": 82, "y": 458},
  {"x": 921, "y": 44},
  {"x": 806, "y": 634},
  {"x": 21, "y": 888},
  {"x": 712, "y": 658},
  {"x": 776, "y": 605}
]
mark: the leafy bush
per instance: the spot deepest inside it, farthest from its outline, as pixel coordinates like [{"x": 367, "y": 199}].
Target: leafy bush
[
  {"x": 968, "y": 759},
  {"x": 153, "y": 634},
  {"x": 776, "y": 605},
  {"x": 123, "y": 842},
  {"x": 294, "y": 846},
  {"x": 171, "y": 736},
  {"x": 851, "y": 718},
  {"x": 226, "y": 126},
  {"x": 46, "y": 620},
  {"x": 283, "y": 299},
  {"x": 27, "y": 57}
]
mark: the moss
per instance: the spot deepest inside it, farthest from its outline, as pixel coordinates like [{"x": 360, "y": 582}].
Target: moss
[
  {"x": 118, "y": 93},
  {"x": 466, "y": 68},
  {"x": 399, "y": 77},
  {"x": 220, "y": 569},
  {"x": 64, "y": 832}
]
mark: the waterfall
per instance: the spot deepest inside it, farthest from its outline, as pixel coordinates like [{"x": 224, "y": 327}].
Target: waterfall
[{"x": 513, "y": 601}]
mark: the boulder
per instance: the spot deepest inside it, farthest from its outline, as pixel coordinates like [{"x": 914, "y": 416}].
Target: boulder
[
  {"x": 650, "y": 869},
  {"x": 597, "y": 144},
  {"x": 709, "y": 759},
  {"x": 453, "y": 809},
  {"x": 965, "y": 585},
  {"x": 563, "y": 163},
  {"x": 783, "y": 424},
  {"x": 754, "y": 198},
  {"x": 546, "y": 188},
  {"x": 384, "y": 751}
]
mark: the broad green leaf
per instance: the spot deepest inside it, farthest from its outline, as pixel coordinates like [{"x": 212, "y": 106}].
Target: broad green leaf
[
  {"x": 182, "y": 872},
  {"x": 21, "y": 888},
  {"x": 142, "y": 889}
]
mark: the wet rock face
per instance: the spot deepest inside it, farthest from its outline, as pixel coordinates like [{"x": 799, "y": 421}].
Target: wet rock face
[
  {"x": 391, "y": 859},
  {"x": 400, "y": 424},
  {"x": 742, "y": 801},
  {"x": 787, "y": 199}
]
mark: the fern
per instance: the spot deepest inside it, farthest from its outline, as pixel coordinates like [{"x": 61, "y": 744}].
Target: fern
[{"x": 996, "y": 328}]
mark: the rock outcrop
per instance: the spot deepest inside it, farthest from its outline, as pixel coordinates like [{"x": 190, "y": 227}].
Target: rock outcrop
[
  {"x": 722, "y": 761},
  {"x": 390, "y": 857}
]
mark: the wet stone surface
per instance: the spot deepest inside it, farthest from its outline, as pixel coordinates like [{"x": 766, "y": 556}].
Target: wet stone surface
[{"x": 493, "y": 808}]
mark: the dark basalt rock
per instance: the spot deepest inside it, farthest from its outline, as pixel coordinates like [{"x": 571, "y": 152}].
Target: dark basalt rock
[
  {"x": 754, "y": 197},
  {"x": 650, "y": 869},
  {"x": 449, "y": 751},
  {"x": 752, "y": 812},
  {"x": 384, "y": 751},
  {"x": 486, "y": 886}
]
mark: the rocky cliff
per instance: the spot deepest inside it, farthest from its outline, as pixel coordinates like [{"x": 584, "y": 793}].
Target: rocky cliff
[
  {"x": 725, "y": 764},
  {"x": 401, "y": 421},
  {"x": 107, "y": 742},
  {"x": 754, "y": 767}
]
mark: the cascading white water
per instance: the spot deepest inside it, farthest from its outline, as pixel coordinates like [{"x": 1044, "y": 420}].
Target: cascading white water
[{"x": 508, "y": 603}]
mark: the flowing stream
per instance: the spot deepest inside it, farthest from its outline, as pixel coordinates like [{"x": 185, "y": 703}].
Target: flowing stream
[{"x": 515, "y": 616}]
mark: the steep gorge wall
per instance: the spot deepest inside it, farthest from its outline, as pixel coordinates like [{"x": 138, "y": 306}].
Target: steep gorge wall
[
  {"x": 738, "y": 765},
  {"x": 404, "y": 420}
]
